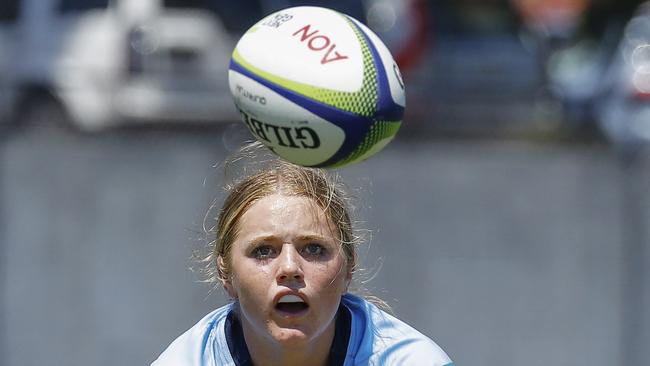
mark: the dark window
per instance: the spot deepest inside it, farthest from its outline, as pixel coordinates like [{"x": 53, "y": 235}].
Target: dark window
[
  {"x": 190, "y": 4},
  {"x": 9, "y": 10},
  {"x": 473, "y": 17},
  {"x": 237, "y": 16},
  {"x": 352, "y": 8},
  {"x": 66, "y": 6}
]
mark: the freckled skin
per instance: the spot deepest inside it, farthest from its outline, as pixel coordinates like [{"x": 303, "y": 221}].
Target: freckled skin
[{"x": 285, "y": 243}]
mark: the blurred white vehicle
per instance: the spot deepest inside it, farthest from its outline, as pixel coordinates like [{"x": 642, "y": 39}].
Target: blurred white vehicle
[
  {"x": 100, "y": 63},
  {"x": 623, "y": 108},
  {"x": 97, "y": 63}
]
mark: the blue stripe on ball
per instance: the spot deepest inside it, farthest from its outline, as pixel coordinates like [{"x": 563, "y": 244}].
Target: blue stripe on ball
[
  {"x": 387, "y": 109},
  {"x": 355, "y": 126}
]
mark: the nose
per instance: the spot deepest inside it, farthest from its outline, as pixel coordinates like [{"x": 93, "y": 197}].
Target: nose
[{"x": 289, "y": 265}]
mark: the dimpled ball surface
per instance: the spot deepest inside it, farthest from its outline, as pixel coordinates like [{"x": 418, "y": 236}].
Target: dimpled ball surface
[{"x": 317, "y": 87}]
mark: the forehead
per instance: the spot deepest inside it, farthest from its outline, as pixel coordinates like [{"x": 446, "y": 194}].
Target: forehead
[{"x": 281, "y": 213}]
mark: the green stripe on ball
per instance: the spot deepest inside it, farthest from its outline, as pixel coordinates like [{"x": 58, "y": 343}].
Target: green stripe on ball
[
  {"x": 380, "y": 134},
  {"x": 363, "y": 102}
]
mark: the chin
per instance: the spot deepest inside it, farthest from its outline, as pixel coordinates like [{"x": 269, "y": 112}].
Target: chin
[{"x": 290, "y": 337}]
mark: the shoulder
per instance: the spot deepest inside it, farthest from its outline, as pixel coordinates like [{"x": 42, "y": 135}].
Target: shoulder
[
  {"x": 195, "y": 346},
  {"x": 378, "y": 338}
]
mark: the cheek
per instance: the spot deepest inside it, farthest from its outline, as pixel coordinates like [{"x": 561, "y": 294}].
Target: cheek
[
  {"x": 250, "y": 281},
  {"x": 332, "y": 277}
]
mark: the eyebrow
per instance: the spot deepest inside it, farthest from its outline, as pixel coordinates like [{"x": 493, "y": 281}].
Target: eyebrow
[
  {"x": 269, "y": 237},
  {"x": 306, "y": 237},
  {"x": 314, "y": 237}
]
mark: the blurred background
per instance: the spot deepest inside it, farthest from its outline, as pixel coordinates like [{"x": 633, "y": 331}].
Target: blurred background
[{"x": 509, "y": 218}]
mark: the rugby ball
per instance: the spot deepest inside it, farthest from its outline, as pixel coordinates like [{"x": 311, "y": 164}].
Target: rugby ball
[{"x": 317, "y": 87}]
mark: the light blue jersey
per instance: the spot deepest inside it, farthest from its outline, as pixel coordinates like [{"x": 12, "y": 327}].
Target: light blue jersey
[{"x": 376, "y": 339}]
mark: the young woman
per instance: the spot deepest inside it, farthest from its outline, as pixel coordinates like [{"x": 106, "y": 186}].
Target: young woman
[{"x": 285, "y": 253}]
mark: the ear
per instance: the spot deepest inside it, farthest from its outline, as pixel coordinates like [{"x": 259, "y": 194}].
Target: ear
[{"x": 225, "y": 278}]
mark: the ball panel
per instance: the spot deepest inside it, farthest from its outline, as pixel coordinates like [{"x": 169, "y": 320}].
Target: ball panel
[
  {"x": 345, "y": 101},
  {"x": 393, "y": 74},
  {"x": 354, "y": 126},
  {"x": 301, "y": 120},
  {"x": 380, "y": 134},
  {"x": 362, "y": 102},
  {"x": 306, "y": 44},
  {"x": 354, "y": 123},
  {"x": 289, "y": 130}
]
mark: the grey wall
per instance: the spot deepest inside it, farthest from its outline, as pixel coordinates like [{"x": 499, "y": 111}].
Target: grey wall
[{"x": 505, "y": 253}]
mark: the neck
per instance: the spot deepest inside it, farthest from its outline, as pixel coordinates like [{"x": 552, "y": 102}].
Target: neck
[
  {"x": 289, "y": 359},
  {"x": 266, "y": 351}
]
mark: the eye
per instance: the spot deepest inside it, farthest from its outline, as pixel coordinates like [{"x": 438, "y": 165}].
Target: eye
[
  {"x": 314, "y": 250},
  {"x": 262, "y": 252}
]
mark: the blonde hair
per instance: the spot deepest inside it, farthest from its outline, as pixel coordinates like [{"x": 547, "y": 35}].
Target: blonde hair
[
  {"x": 272, "y": 176},
  {"x": 282, "y": 177}
]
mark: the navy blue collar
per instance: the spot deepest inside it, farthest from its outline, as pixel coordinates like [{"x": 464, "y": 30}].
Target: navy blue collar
[{"x": 239, "y": 350}]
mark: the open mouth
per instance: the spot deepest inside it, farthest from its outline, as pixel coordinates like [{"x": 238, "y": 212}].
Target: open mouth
[{"x": 291, "y": 304}]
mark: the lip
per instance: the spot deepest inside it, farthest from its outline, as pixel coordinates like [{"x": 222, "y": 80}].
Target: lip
[{"x": 284, "y": 314}]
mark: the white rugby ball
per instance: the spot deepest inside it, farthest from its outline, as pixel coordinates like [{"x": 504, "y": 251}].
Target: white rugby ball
[{"x": 317, "y": 87}]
